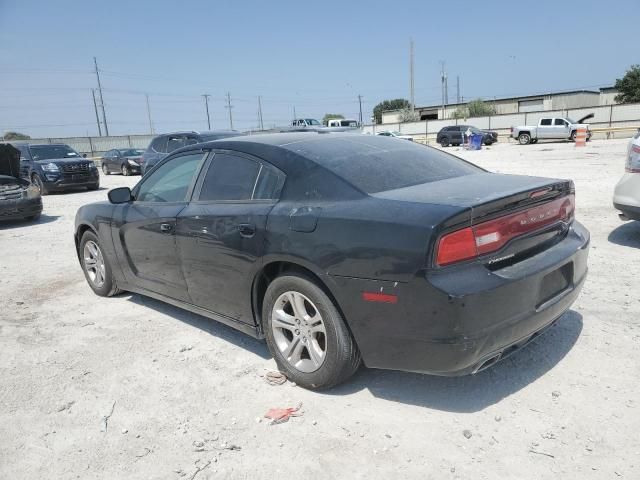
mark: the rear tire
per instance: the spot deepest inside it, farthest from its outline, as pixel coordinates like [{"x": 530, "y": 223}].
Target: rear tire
[
  {"x": 308, "y": 338},
  {"x": 96, "y": 267},
  {"x": 524, "y": 139},
  {"x": 444, "y": 142}
]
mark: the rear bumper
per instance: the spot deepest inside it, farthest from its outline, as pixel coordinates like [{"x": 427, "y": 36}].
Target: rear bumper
[
  {"x": 459, "y": 321},
  {"x": 16, "y": 209}
]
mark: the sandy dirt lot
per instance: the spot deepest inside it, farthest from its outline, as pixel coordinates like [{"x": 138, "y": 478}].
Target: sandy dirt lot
[{"x": 128, "y": 387}]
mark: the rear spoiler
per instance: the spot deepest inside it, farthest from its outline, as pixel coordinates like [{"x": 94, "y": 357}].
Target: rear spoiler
[{"x": 586, "y": 117}]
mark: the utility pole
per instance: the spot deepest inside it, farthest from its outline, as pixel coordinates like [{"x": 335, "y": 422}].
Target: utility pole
[
  {"x": 206, "y": 106},
  {"x": 104, "y": 115},
  {"x": 260, "y": 113},
  {"x": 230, "y": 107},
  {"x": 149, "y": 115},
  {"x": 360, "y": 102},
  {"x": 457, "y": 88},
  {"x": 95, "y": 107},
  {"x": 411, "y": 85},
  {"x": 294, "y": 113}
]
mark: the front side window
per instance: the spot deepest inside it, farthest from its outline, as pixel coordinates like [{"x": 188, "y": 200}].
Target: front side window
[
  {"x": 559, "y": 122},
  {"x": 170, "y": 181},
  {"x": 230, "y": 177}
]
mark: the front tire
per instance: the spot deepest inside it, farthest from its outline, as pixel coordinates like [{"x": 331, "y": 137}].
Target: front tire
[
  {"x": 306, "y": 333},
  {"x": 96, "y": 266},
  {"x": 37, "y": 181},
  {"x": 524, "y": 139},
  {"x": 126, "y": 171},
  {"x": 105, "y": 169}
]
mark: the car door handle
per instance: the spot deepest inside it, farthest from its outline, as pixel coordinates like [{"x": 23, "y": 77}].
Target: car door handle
[
  {"x": 247, "y": 230},
  {"x": 166, "y": 228}
]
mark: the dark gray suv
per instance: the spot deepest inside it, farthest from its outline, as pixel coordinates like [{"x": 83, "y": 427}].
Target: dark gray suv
[{"x": 164, "y": 144}]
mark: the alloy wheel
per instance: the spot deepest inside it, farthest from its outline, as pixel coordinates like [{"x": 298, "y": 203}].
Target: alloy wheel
[
  {"x": 94, "y": 263},
  {"x": 105, "y": 169},
  {"x": 299, "y": 331},
  {"x": 125, "y": 170}
]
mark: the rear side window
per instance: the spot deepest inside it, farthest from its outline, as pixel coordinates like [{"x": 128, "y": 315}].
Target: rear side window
[
  {"x": 269, "y": 184},
  {"x": 159, "y": 145},
  {"x": 545, "y": 122},
  {"x": 174, "y": 143},
  {"x": 378, "y": 164},
  {"x": 24, "y": 152},
  {"x": 230, "y": 177}
]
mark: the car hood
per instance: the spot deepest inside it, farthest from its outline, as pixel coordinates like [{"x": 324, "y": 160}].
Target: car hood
[
  {"x": 9, "y": 161},
  {"x": 133, "y": 157},
  {"x": 64, "y": 161},
  {"x": 586, "y": 117}
]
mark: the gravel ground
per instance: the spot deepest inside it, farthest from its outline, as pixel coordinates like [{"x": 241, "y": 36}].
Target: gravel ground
[{"x": 128, "y": 387}]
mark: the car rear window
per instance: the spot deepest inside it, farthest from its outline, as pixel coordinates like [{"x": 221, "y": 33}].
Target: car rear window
[{"x": 376, "y": 164}]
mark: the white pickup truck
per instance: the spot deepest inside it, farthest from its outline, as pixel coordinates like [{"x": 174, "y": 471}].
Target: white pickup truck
[{"x": 550, "y": 128}]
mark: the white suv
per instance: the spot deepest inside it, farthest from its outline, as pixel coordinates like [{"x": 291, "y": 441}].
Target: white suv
[{"x": 626, "y": 196}]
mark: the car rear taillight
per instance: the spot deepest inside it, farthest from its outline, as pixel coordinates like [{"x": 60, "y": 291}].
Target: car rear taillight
[
  {"x": 633, "y": 160},
  {"x": 491, "y": 236}
]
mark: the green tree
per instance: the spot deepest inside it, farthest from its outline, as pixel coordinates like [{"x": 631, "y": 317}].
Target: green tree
[
  {"x": 629, "y": 86},
  {"x": 475, "y": 108},
  {"x": 15, "y": 136},
  {"x": 330, "y": 116},
  {"x": 387, "y": 105}
]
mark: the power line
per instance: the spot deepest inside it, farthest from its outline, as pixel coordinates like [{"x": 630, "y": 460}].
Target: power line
[
  {"x": 206, "y": 106},
  {"x": 149, "y": 115},
  {"x": 260, "y": 113},
  {"x": 229, "y": 107},
  {"x": 95, "y": 106},
  {"x": 104, "y": 115}
]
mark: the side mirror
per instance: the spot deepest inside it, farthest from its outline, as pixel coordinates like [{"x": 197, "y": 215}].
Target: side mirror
[
  {"x": 84, "y": 155},
  {"x": 120, "y": 195}
]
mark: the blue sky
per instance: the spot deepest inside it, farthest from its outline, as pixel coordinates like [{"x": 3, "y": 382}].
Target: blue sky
[{"x": 315, "y": 56}]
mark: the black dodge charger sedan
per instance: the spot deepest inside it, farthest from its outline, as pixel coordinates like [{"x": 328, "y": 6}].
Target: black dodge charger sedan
[{"x": 341, "y": 249}]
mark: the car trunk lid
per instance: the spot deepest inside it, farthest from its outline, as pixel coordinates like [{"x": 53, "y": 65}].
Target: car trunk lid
[{"x": 502, "y": 218}]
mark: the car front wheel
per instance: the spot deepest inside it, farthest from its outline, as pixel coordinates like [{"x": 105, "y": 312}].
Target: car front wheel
[
  {"x": 306, "y": 333},
  {"x": 105, "y": 169},
  {"x": 96, "y": 267},
  {"x": 37, "y": 181},
  {"x": 125, "y": 170}
]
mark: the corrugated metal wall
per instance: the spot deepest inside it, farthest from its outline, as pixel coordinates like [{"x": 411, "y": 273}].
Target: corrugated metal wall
[
  {"x": 95, "y": 146},
  {"x": 604, "y": 117}
]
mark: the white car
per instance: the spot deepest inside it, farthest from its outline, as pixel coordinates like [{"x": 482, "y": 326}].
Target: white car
[
  {"x": 626, "y": 196},
  {"x": 389, "y": 133}
]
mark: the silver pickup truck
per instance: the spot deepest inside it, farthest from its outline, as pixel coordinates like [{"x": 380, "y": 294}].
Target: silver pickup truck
[{"x": 550, "y": 128}]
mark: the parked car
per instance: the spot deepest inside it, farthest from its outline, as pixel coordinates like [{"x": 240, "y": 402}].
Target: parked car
[
  {"x": 19, "y": 198},
  {"x": 337, "y": 250},
  {"x": 56, "y": 167},
  {"x": 342, "y": 122},
  {"x": 394, "y": 134},
  {"x": 163, "y": 145},
  {"x": 306, "y": 122},
  {"x": 626, "y": 196},
  {"x": 550, "y": 128},
  {"x": 455, "y": 135},
  {"x": 122, "y": 160}
]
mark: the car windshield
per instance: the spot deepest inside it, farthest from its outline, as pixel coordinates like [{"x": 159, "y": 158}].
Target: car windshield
[
  {"x": 312, "y": 121},
  {"x": 571, "y": 120},
  {"x": 48, "y": 152},
  {"x": 395, "y": 134},
  {"x": 131, "y": 152},
  {"x": 474, "y": 130}
]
